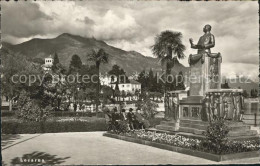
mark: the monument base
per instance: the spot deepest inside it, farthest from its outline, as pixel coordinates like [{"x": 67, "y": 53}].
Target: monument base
[
  {"x": 237, "y": 130},
  {"x": 171, "y": 126}
]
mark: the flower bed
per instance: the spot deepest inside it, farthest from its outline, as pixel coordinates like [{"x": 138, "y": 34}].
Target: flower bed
[
  {"x": 194, "y": 144},
  {"x": 188, "y": 146}
]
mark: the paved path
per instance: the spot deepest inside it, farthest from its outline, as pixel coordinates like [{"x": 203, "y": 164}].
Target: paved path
[{"x": 93, "y": 148}]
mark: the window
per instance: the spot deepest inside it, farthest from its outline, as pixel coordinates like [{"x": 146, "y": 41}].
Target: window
[{"x": 185, "y": 111}]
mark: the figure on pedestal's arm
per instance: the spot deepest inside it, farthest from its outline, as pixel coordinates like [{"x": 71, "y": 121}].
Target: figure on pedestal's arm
[{"x": 205, "y": 43}]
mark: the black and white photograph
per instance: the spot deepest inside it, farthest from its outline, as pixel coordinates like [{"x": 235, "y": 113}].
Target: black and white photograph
[{"x": 135, "y": 82}]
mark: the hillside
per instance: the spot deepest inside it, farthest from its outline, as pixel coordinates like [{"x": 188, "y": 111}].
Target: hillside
[
  {"x": 66, "y": 45},
  {"x": 242, "y": 83}
]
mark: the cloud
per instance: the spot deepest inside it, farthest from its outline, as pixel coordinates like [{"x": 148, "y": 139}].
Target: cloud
[
  {"x": 23, "y": 20},
  {"x": 132, "y": 25},
  {"x": 86, "y": 20}
]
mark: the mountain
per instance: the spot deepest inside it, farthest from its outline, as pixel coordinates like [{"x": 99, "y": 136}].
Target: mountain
[
  {"x": 66, "y": 45},
  {"x": 241, "y": 82}
]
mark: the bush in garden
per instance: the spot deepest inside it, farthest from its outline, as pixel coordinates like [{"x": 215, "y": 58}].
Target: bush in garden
[
  {"x": 119, "y": 127},
  {"x": 216, "y": 137},
  {"x": 148, "y": 107},
  {"x": 31, "y": 109},
  {"x": 51, "y": 127},
  {"x": 123, "y": 127}
]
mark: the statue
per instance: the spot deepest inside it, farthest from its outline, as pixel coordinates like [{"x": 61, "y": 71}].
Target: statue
[{"x": 205, "y": 43}]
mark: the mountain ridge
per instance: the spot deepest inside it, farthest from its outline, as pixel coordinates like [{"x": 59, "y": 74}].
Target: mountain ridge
[{"x": 66, "y": 45}]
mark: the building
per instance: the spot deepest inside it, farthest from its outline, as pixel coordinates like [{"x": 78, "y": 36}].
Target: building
[
  {"x": 47, "y": 67},
  {"x": 129, "y": 87},
  {"x": 48, "y": 63}
]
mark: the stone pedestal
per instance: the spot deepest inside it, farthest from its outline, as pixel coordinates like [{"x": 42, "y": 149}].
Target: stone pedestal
[
  {"x": 205, "y": 76},
  {"x": 238, "y": 130}
]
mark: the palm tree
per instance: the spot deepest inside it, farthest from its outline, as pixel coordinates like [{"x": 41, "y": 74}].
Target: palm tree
[
  {"x": 98, "y": 57},
  {"x": 166, "y": 44}
]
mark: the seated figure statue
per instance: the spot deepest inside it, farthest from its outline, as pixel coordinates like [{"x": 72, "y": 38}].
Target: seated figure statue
[{"x": 205, "y": 43}]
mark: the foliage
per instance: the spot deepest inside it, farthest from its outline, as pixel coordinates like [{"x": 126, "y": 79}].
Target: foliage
[
  {"x": 254, "y": 93},
  {"x": 148, "y": 107},
  {"x": 118, "y": 75},
  {"x": 30, "y": 109},
  {"x": 216, "y": 136},
  {"x": 12, "y": 64},
  {"x": 166, "y": 44},
  {"x": 149, "y": 82},
  {"x": 192, "y": 143},
  {"x": 75, "y": 63},
  {"x": 52, "y": 127},
  {"x": 120, "y": 127},
  {"x": 98, "y": 57},
  {"x": 168, "y": 41},
  {"x": 107, "y": 93},
  {"x": 55, "y": 114},
  {"x": 180, "y": 82}
]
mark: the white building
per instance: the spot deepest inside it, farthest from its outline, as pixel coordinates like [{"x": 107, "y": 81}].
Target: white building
[
  {"x": 48, "y": 63},
  {"x": 129, "y": 87}
]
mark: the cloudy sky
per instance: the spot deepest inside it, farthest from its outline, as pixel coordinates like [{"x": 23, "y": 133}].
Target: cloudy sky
[{"x": 133, "y": 25}]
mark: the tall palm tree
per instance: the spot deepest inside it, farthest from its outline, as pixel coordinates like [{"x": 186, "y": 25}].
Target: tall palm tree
[
  {"x": 98, "y": 57},
  {"x": 166, "y": 44}
]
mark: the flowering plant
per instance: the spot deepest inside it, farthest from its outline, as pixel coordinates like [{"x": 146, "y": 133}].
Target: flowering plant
[{"x": 228, "y": 147}]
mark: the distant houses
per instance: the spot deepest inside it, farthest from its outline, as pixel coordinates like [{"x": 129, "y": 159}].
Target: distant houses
[{"x": 130, "y": 86}]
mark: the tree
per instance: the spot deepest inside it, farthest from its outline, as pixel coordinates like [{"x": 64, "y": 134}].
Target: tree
[
  {"x": 117, "y": 73},
  {"x": 123, "y": 94},
  {"x": 75, "y": 63},
  {"x": 56, "y": 61},
  {"x": 180, "y": 82},
  {"x": 148, "y": 106},
  {"x": 166, "y": 44},
  {"x": 254, "y": 93},
  {"x": 107, "y": 93},
  {"x": 99, "y": 57},
  {"x": 142, "y": 78},
  {"x": 12, "y": 64}
]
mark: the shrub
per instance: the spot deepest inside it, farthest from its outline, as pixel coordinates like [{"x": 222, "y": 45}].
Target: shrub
[
  {"x": 52, "y": 127},
  {"x": 148, "y": 107},
  {"x": 72, "y": 114},
  {"x": 216, "y": 137},
  {"x": 31, "y": 109},
  {"x": 7, "y": 114}
]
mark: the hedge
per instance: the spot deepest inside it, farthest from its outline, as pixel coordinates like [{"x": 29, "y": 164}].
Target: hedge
[
  {"x": 7, "y": 113},
  {"x": 57, "y": 114},
  {"x": 72, "y": 114},
  {"x": 52, "y": 127}
]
